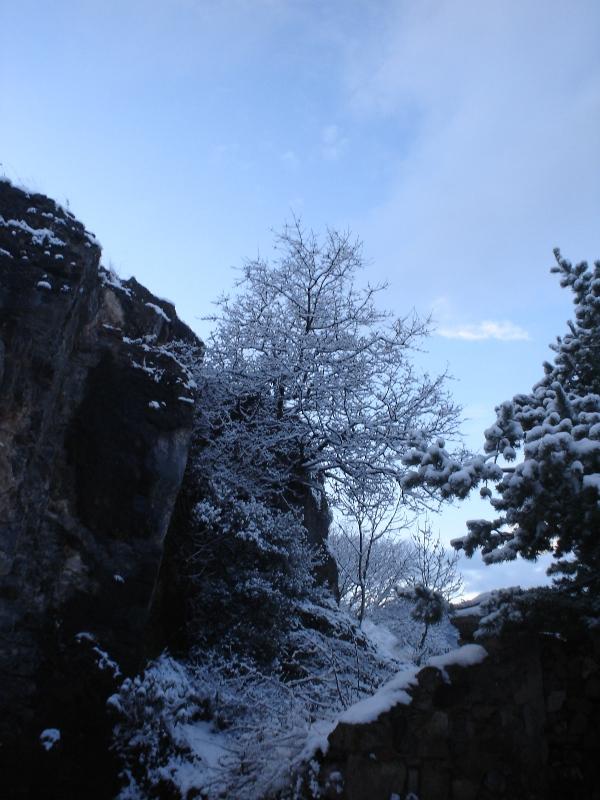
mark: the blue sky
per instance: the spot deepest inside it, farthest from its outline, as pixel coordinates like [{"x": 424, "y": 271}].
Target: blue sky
[{"x": 459, "y": 140}]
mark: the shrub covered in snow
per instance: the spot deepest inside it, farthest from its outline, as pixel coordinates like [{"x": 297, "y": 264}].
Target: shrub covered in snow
[
  {"x": 271, "y": 661},
  {"x": 249, "y": 565},
  {"x": 221, "y": 726}
]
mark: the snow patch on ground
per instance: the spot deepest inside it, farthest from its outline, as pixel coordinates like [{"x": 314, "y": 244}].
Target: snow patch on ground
[
  {"x": 382, "y": 638},
  {"x": 395, "y": 634},
  {"x": 208, "y": 752}
]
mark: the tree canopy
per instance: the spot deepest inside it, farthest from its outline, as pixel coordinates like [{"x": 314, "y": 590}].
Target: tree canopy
[{"x": 311, "y": 376}]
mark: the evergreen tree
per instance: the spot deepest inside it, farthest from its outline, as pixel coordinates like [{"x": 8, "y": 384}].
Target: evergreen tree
[{"x": 551, "y": 500}]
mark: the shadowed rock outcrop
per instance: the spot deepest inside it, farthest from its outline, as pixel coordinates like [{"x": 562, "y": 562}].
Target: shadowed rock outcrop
[{"x": 96, "y": 409}]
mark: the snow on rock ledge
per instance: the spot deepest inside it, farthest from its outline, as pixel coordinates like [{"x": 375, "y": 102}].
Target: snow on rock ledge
[
  {"x": 396, "y": 691},
  {"x": 464, "y": 656},
  {"x": 384, "y": 699}
]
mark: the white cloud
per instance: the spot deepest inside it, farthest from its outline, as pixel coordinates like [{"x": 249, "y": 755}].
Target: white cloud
[
  {"x": 502, "y": 331},
  {"x": 332, "y": 142}
]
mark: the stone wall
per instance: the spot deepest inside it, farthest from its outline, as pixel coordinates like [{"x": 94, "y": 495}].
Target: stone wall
[{"x": 522, "y": 725}]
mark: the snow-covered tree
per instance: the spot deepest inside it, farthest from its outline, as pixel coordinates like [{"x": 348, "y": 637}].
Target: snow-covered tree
[
  {"x": 374, "y": 560},
  {"x": 306, "y": 387},
  {"x": 432, "y": 566},
  {"x": 364, "y": 540},
  {"x": 307, "y": 378},
  {"x": 249, "y": 566},
  {"x": 428, "y": 607},
  {"x": 551, "y": 499},
  {"x": 389, "y": 562}
]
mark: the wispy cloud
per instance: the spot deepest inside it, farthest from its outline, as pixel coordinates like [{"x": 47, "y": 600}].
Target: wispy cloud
[
  {"x": 490, "y": 175},
  {"x": 333, "y": 142},
  {"x": 290, "y": 159},
  {"x": 503, "y": 331}
]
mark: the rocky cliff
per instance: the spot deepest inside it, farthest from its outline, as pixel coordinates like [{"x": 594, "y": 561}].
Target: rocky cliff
[{"x": 96, "y": 408}]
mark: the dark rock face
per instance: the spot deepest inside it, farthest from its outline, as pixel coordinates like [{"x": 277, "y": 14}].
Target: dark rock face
[
  {"x": 317, "y": 518},
  {"x": 96, "y": 408},
  {"x": 524, "y": 723}
]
